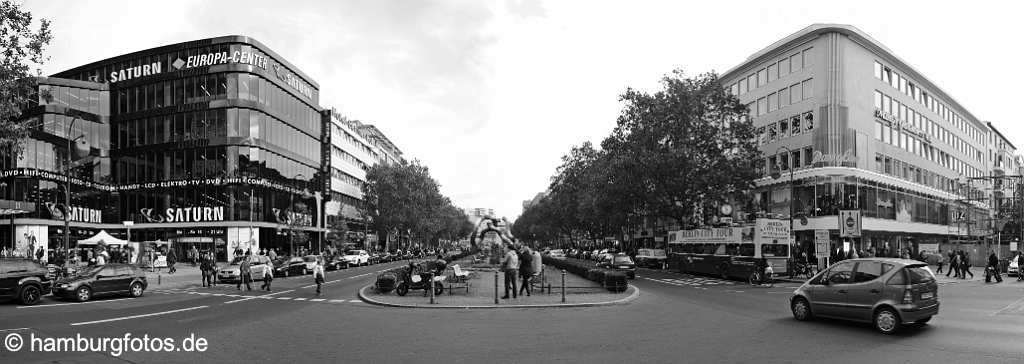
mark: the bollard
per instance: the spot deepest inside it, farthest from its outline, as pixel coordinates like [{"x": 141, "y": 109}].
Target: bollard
[
  {"x": 158, "y": 279},
  {"x": 563, "y": 285},
  {"x": 495, "y": 287},
  {"x": 430, "y": 286}
]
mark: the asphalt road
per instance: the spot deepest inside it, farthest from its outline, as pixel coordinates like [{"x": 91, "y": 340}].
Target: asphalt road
[{"x": 678, "y": 318}]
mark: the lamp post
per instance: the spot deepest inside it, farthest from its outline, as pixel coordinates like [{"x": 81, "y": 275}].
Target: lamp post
[
  {"x": 778, "y": 174},
  {"x": 67, "y": 184}
]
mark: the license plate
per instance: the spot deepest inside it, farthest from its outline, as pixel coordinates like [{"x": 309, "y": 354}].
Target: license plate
[{"x": 927, "y": 295}]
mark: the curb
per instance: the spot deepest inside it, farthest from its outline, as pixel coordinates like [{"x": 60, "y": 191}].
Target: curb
[{"x": 630, "y": 298}]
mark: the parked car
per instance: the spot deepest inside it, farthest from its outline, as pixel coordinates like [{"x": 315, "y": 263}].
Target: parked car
[
  {"x": 289, "y": 266},
  {"x": 258, "y": 265},
  {"x": 887, "y": 292},
  {"x": 357, "y": 257},
  {"x": 24, "y": 280},
  {"x": 556, "y": 254},
  {"x": 109, "y": 279},
  {"x": 336, "y": 262},
  {"x": 1013, "y": 268},
  {"x": 619, "y": 262},
  {"x": 651, "y": 258}
]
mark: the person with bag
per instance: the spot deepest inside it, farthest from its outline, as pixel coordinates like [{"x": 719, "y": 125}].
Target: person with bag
[
  {"x": 511, "y": 267},
  {"x": 204, "y": 268},
  {"x": 245, "y": 274},
  {"x": 992, "y": 269},
  {"x": 318, "y": 274},
  {"x": 268, "y": 275}
]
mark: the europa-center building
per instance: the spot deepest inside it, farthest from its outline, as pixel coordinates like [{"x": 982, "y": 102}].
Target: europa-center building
[{"x": 216, "y": 143}]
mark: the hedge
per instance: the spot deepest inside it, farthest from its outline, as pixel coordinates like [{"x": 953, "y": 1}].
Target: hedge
[{"x": 613, "y": 280}]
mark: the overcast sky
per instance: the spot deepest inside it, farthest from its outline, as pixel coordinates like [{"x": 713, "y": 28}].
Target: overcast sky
[{"x": 490, "y": 95}]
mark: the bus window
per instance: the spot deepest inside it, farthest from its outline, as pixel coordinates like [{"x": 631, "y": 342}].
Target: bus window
[
  {"x": 746, "y": 250},
  {"x": 719, "y": 249},
  {"x": 774, "y": 250},
  {"x": 732, "y": 249},
  {"x": 709, "y": 248}
]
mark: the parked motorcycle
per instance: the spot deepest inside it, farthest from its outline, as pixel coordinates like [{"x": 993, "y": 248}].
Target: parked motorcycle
[
  {"x": 991, "y": 271},
  {"x": 413, "y": 278}
]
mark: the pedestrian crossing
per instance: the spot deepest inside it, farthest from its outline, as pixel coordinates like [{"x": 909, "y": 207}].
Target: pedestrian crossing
[
  {"x": 264, "y": 298},
  {"x": 692, "y": 281}
]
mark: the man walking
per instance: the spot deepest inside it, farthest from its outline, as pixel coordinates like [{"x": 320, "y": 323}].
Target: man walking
[
  {"x": 525, "y": 270},
  {"x": 992, "y": 268},
  {"x": 272, "y": 253},
  {"x": 268, "y": 276},
  {"x": 511, "y": 267},
  {"x": 318, "y": 274},
  {"x": 204, "y": 268},
  {"x": 172, "y": 258},
  {"x": 952, "y": 262},
  {"x": 245, "y": 274}
]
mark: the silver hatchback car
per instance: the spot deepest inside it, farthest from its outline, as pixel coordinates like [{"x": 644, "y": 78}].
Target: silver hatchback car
[{"x": 887, "y": 292}]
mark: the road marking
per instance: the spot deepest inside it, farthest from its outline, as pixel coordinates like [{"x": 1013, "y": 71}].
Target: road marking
[
  {"x": 355, "y": 301},
  {"x": 255, "y": 297},
  {"x": 299, "y": 299},
  {"x": 74, "y": 303},
  {"x": 18, "y": 329},
  {"x": 284, "y": 298},
  {"x": 137, "y": 316},
  {"x": 317, "y": 299},
  {"x": 1011, "y": 305},
  {"x": 338, "y": 301},
  {"x": 328, "y": 282}
]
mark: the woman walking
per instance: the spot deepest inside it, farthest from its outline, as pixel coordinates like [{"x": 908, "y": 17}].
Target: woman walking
[{"x": 318, "y": 274}]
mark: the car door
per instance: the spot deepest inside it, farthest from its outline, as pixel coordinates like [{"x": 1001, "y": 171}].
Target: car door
[
  {"x": 10, "y": 273},
  {"x": 105, "y": 280},
  {"x": 125, "y": 275},
  {"x": 830, "y": 297},
  {"x": 864, "y": 290}
]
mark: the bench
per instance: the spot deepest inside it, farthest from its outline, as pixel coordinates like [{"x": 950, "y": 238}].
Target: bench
[{"x": 459, "y": 279}]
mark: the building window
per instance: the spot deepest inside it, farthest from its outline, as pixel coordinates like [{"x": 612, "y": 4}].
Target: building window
[
  {"x": 878, "y": 70},
  {"x": 743, "y": 86},
  {"x": 887, "y": 75},
  {"x": 762, "y": 77},
  {"x": 878, "y": 100},
  {"x": 808, "y": 121},
  {"x": 772, "y": 133},
  {"x": 808, "y": 88},
  {"x": 878, "y": 130},
  {"x": 807, "y": 57},
  {"x": 796, "y": 62},
  {"x": 751, "y": 82},
  {"x": 784, "y": 67},
  {"x": 794, "y": 94},
  {"x": 795, "y": 127},
  {"x": 773, "y": 102},
  {"x": 886, "y": 134},
  {"x": 783, "y": 129},
  {"x": 762, "y": 106},
  {"x": 796, "y": 159},
  {"x": 783, "y": 97},
  {"x": 887, "y": 104},
  {"x": 773, "y": 72},
  {"x": 808, "y": 156}
]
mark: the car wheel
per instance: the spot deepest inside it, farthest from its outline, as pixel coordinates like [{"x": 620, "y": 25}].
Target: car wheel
[
  {"x": 887, "y": 321},
  {"x": 438, "y": 288},
  {"x": 135, "y": 290},
  {"x": 402, "y": 289},
  {"x": 30, "y": 295},
  {"x": 83, "y": 294},
  {"x": 801, "y": 309}
]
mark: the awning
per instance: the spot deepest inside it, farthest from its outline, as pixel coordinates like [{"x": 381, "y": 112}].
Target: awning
[
  {"x": 104, "y": 237},
  {"x": 8, "y": 207}
]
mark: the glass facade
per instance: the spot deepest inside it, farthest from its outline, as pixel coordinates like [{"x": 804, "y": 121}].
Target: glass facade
[{"x": 221, "y": 123}]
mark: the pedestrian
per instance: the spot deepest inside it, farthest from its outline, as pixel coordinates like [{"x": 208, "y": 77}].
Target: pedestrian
[
  {"x": 272, "y": 253},
  {"x": 39, "y": 254},
  {"x": 511, "y": 267},
  {"x": 318, "y": 274},
  {"x": 268, "y": 275},
  {"x": 102, "y": 257},
  {"x": 244, "y": 274},
  {"x": 525, "y": 270},
  {"x": 204, "y": 268},
  {"x": 1020, "y": 264},
  {"x": 942, "y": 260},
  {"x": 172, "y": 258},
  {"x": 966, "y": 266},
  {"x": 992, "y": 268},
  {"x": 212, "y": 263},
  {"x": 952, "y": 261}
]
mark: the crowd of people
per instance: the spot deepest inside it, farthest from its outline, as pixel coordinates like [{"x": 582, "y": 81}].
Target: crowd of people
[{"x": 523, "y": 263}]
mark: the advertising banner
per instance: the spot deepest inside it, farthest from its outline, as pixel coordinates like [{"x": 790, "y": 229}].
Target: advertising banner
[
  {"x": 767, "y": 230},
  {"x": 821, "y": 242},
  {"x": 849, "y": 224}
]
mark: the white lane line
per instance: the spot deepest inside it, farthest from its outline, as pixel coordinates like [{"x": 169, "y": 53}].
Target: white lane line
[
  {"x": 75, "y": 303},
  {"x": 317, "y": 299},
  {"x": 325, "y": 283},
  {"x": 353, "y": 301},
  {"x": 284, "y": 298},
  {"x": 1011, "y": 305},
  {"x": 299, "y": 299},
  {"x": 338, "y": 301},
  {"x": 138, "y": 316},
  {"x": 255, "y": 297},
  {"x": 18, "y": 329}
]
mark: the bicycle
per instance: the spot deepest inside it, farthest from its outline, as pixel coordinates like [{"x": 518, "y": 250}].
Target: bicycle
[{"x": 802, "y": 270}]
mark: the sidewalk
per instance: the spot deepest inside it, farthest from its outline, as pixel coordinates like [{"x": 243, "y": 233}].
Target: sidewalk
[
  {"x": 185, "y": 276},
  {"x": 979, "y": 275}
]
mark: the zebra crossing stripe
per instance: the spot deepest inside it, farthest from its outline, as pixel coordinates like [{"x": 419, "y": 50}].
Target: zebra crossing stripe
[
  {"x": 317, "y": 299},
  {"x": 338, "y": 301},
  {"x": 299, "y": 299},
  {"x": 284, "y": 298}
]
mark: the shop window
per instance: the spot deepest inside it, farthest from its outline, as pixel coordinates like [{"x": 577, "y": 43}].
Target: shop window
[
  {"x": 783, "y": 129},
  {"x": 808, "y": 121},
  {"x": 795, "y": 125}
]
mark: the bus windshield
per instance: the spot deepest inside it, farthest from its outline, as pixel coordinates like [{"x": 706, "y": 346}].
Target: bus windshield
[{"x": 774, "y": 250}]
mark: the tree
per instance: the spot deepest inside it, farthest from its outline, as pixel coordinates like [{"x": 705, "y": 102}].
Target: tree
[
  {"x": 686, "y": 148},
  {"x": 337, "y": 231},
  {"x": 403, "y": 197},
  {"x": 22, "y": 58}
]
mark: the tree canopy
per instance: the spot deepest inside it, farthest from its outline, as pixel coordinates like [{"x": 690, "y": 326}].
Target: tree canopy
[
  {"x": 672, "y": 154},
  {"x": 22, "y": 47}
]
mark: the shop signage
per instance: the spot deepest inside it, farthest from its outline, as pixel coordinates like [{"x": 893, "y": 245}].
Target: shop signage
[
  {"x": 292, "y": 218},
  {"x": 75, "y": 213},
  {"x": 293, "y": 81},
  {"x": 215, "y": 58},
  {"x": 821, "y": 241},
  {"x": 849, "y": 223},
  {"x": 136, "y": 72},
  {"x": 184, "y": 214},
  {"x": 833, "y": 159},
  {"x": 712, "y": 235},
  {"x": 903, "y": 124}
]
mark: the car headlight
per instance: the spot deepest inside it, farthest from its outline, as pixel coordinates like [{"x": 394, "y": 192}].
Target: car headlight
[{"x": 64, "y": 285}]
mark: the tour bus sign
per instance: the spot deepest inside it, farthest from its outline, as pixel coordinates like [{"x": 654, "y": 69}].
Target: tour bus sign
[{"x": 712, "y": 235}]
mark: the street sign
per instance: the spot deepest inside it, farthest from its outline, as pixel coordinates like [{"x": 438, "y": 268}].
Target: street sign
[
  {"x": 821, "y": 241},
  {"x": 849, "y": 223}
]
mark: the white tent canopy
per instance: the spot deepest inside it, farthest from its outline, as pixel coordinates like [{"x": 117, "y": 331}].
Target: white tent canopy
[{"x": 104, "y": 237}]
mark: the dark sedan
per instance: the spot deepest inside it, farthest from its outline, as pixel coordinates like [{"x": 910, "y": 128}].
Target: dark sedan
[
  {"x": 289, "y": 266},
  {"x": 619, "y": 262},
  {"x": 107, "y": 279},
  {"x": 336, "y": 262}
]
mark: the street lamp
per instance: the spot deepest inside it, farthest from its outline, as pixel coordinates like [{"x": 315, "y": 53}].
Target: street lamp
[{"x": 67, "y": 184}]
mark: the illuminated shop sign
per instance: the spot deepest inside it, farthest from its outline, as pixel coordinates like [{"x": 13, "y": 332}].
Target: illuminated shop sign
[
  {"x": 292, "y": 218},
  {"x": 136, "y": 72},
  {"x": 184, "y": 214},
  {"x": 903, "y": 124},
  {"x": 215, "y": 58},
  {"x": 37, "y": 173},
  {"x": 75, "y": 213},
  {"x": 293, "y": 81},
  {"x": 833, "y": 159}
]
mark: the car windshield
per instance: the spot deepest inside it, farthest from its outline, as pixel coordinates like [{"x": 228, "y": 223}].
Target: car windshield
[
  {"x": 309, "y": 258},
  {"x": 622, "y": 259},
  {"x": 351, "y": 252},
  {"x": 237, "y": 261},
  {"x": 920, "y": 274}
]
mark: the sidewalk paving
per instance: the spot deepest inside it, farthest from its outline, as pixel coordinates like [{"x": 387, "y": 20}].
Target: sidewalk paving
[{"x": 185, "y": 276}]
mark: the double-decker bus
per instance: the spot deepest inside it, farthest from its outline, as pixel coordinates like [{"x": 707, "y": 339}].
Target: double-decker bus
[{"x": 731, "y": 252}]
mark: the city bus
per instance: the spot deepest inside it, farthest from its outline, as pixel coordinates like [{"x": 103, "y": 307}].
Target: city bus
[{"x": 731, "y": 252}]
